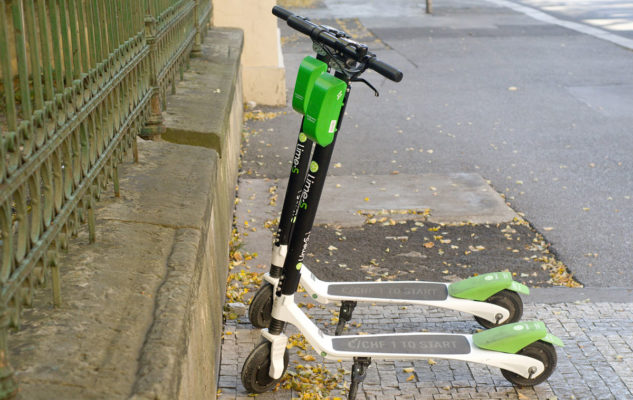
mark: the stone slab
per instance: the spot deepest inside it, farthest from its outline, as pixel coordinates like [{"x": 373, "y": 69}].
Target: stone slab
[
  {"x": 451, "y": 198},
  {"x": 198, "y": 114},
  {"x": 88, "y": 347},
  {"x": 123, "y": 325},
  {"x": 170, "y": 184}
]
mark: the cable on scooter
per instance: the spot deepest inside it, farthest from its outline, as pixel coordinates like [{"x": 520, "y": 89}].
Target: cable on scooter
[{"x": 347, "y": 47}]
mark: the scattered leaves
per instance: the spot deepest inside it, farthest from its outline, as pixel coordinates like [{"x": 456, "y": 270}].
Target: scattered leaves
[
  {"x": 559, "y": 275},
  {"x": 314, "y": 381},
  {"x": 259, "y": 115}
]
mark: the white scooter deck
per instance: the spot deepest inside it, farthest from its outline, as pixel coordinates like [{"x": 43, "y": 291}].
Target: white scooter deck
[
  {"x": 396, "y": 346},
  {"x": 433, "y": 294}
]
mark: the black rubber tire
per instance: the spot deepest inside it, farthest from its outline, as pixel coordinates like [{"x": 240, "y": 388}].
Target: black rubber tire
[
  {"x": 260, "y": 310},
  {"x": 542, "y": 351},
  {"x": 255, "y": 376},
  {"x": 509, "y": 300}
]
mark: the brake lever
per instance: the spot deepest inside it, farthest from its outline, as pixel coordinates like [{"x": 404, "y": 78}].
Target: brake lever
[{"x": 368, "y": 84}]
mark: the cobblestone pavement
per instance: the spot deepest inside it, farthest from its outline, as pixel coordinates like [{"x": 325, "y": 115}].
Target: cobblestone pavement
[{"x": 596, "y": 362}]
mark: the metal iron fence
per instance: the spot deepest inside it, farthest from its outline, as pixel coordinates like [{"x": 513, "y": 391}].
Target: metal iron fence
[{"x": 80, "y": 79}]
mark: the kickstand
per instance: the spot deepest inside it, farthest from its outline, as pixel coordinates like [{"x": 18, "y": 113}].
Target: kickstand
[
  {"x": 359, "y": 371},
  {"x": 344, "y": 315}
]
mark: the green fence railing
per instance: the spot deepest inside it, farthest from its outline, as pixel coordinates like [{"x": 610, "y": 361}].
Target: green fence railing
[{"x": 80, "y": 79}]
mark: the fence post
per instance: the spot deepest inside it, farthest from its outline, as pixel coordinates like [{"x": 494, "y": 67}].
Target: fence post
[
  {"x": 197, "y": 41},
  {"x": 8, "y": 384},
  {"x": 154, "y": 126}
]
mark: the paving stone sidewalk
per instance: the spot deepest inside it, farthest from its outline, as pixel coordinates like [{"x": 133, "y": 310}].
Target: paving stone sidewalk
[{"x": 596, "y": 362}]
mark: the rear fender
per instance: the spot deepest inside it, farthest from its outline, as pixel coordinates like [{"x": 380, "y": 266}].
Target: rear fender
[
  {"x": 512, "y": 338},
  {"x": 483, "y": 286}
]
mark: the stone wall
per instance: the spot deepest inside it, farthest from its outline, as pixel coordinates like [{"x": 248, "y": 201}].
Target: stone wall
[{"x": 141, "y": 313}]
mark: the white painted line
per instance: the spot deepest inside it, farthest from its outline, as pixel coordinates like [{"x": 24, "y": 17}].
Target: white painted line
[{"x": 588, "y": 30}]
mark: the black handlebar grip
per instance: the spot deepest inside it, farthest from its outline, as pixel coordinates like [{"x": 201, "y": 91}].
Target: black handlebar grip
[
  {"x": 282, "y": 13},
  {"x": 301, "y": 25},
  {"x": 385, "y": 70}
]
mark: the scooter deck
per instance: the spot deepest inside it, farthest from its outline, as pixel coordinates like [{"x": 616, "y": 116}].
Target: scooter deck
[
  {"x": 421, "y": 344},
  {"x": 415, "y": 346},
  {"x": 406, "y": 291},
  {"x": 409, "y": 346}
]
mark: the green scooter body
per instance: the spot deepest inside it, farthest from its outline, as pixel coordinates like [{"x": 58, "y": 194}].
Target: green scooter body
[
  {"x": 511, "y": 338},
  {"x": 309, "y": 70},
  {"x": 319, "y": 96},
  {"x": 324, "y": 108},
  {"x": 483, "y": 286}
]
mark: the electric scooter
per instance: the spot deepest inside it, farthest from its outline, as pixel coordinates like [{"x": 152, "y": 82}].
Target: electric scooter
[
  {"x": 524, "y": 350},
  {"x": 492, "y": 298}
]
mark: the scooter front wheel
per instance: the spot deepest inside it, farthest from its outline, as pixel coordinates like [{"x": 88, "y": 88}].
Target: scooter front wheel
[
  {"x": 509, "y": 300},
  {"x": 542, "y": 351},
  {"x": 255, "y": 377},
  {"x": 260, "y": 310}
]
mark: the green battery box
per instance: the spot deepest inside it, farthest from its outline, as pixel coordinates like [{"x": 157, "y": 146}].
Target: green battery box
[
  {"x": 324, "y": 109},
  {"x": 309, "y": 70}
]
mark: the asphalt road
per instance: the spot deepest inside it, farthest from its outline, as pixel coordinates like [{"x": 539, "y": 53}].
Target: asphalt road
[{"x": 541, "y": 111}]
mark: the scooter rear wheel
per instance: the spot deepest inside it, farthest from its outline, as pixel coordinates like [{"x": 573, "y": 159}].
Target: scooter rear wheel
[
  {"x": 255, "y": 377},
  {"x": 509, "y": 300},
  {"x": 260, "y": 310},
  {"x": 542, "y": 351}
]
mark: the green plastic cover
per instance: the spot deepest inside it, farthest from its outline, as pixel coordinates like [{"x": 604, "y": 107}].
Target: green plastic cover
[
  {"x": 309, "y": 70},
  {"x": 513, "y": 337},
  {"x": 324, "y": 108},
  {"x": 483, "y": 286}
]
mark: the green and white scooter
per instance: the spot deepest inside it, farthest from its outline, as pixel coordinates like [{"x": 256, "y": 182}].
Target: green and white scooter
[
  {"x": 524, "y": 350},
  {"x": 492, "y": 298}
]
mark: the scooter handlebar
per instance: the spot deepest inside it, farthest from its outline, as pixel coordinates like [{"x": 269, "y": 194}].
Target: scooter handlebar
[
  {"x": 321, "y": 35},
  {"x": 303, "y": 26},
  {"x": 282, "y": 13},
  {"x": 385, "y": 70}
]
